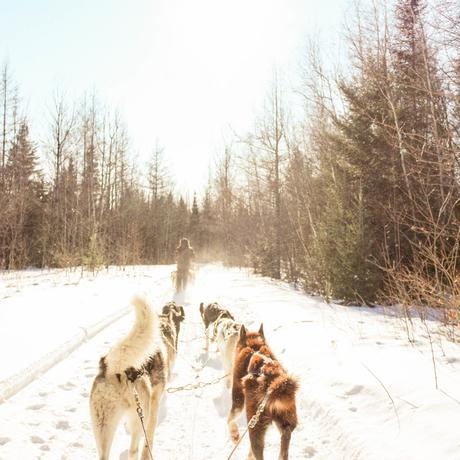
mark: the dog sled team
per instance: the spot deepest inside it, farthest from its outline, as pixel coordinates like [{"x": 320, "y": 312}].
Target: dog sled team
[{"x": 133, "y": 376}]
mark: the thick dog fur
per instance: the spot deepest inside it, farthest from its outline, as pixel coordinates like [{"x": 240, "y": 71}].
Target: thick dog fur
[
  {"x": 142, "y": 360},
  {"x": 221, "y": 327},
  {"x": 255, "y": 371},
  {"x": 211, "y": 314},
  {"x": 227, "y": 332}
]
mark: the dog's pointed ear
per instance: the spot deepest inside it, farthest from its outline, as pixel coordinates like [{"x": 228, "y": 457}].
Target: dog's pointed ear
[
  {"x": 261, "y": 330},
  {"x": 242, "y": 338},
  {"x": 182, "y": 312},
  {"x": 201, "y": 307}
]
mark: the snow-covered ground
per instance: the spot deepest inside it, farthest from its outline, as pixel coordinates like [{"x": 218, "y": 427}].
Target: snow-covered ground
[{"x": 366, "y": 392}]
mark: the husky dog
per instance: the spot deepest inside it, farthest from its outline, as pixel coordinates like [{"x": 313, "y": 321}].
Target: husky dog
[
  {"x": 226, "y": 336},
  {"x": 177, "y": 313},
  {"x": 211, "y": 314},
  {"x": 256, "y": 374},
  {"x": 221, "y": 327},
  {"x": 140, "y": 363}
]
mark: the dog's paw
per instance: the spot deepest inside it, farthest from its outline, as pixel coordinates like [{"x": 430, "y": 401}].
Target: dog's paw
[
  {"x": 235, "y": 437},
  {"x": 234, "y": 433}
]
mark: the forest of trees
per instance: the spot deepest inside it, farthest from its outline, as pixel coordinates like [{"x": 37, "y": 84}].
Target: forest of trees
[
  {"x": 359, "y": 198},
  {"x": 356, "y": 199},
  {"x": 90, "y": 209}
]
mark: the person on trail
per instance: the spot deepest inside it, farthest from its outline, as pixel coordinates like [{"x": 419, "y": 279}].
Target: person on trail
[{"x": 184, "y": 257}]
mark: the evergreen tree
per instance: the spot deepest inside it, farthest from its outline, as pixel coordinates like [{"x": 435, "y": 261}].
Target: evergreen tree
[
  {"x": 25, "y": 190},
  {"x": 194, "y": 227}
]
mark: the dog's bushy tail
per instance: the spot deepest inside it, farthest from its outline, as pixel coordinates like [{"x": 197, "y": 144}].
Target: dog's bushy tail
[
  {"x": 134, "y": 349},
  {"x": 284, "y": 386}
]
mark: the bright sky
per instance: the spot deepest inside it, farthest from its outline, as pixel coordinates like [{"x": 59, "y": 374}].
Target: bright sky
[{"x": 181, "y": 72}]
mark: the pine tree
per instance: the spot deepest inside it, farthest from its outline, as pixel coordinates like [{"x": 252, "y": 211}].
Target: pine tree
[
  {"x": 208, "y": 225},
  {"x": 194, "y": 227},
  {"x": 25, "y": 189}
]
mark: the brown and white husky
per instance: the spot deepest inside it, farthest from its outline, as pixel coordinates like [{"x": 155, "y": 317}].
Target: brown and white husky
[{"x": 256, "y": 373}]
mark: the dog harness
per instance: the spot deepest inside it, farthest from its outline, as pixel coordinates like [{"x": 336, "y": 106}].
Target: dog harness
[{"x": 259, "y": 371}]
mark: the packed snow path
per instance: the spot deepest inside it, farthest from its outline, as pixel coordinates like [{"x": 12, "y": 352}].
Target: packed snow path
[{"x": 350, "y": 361}]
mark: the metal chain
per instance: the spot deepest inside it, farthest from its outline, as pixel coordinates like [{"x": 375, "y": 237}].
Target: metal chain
[
  {"x": 140, "y": 413},
  {"x": 255, "y": 418},
  {"x": 253, "y": 422},
  {"x": 194, "y": 386},
  {"x": 194, "y": 365}
]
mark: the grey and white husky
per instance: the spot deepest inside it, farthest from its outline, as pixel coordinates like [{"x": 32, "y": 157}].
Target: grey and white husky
[{"x": 221, "y": 328}]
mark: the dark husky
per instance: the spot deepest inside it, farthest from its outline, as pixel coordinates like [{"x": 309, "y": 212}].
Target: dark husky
[{"x": 210, "y": 314}]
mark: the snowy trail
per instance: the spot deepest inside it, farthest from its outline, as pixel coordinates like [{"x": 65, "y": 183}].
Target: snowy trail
[
  {"x": 50, "y": 418},
  {"x": 339, "y": 354}
]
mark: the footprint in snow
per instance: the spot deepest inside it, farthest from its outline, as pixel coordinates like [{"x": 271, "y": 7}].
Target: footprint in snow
[
  {"x": 352, "y": 409},
  {"x": 71, "y": 409},
  {"x": 84, "y": 394},
  {"x": 45, "y": 448},
  {"x": 62, "y": 425},
  {"x": 35, "y": 407},
  {"x": 4, "y": 440},
  {"x": 43, "y": 394},
  {"x": 309, "y": 452},
  {"x": 67, "y": 386},
  {"x": 355, "y": 390},
  {"x": 37, "y": 440}
]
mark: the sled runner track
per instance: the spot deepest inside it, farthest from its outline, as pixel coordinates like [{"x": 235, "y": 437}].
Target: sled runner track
[{"x": 15, "y": 383}]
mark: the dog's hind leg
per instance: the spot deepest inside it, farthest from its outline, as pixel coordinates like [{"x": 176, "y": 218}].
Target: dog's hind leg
[
  {"x": 285, "y": 441},
  {"x": 285, "y": 430},
  {"x": 257, "y": 438},
  {"x": 135, "y": 428},
  {"x": 155, "y": 397},
  {"x": 237, "y": 407},
  {"x": 105, "y": 422},
  {"x": 206, "y": 345}
]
